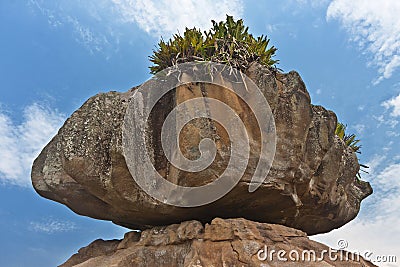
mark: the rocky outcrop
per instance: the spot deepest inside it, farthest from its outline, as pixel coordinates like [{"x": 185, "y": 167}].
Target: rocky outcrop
[
  {"x": 311, "y": 186},
  {"x": 231, "y": 242}
]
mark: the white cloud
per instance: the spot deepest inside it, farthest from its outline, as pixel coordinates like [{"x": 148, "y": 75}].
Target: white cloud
[
  {"x": 375, "y": 27},
  {"x": 377, "y": 229},
  {"x": 51, "y": 226},
  {"x": 168, "y": 16},
  {"x": 21, "y": 142},
  {"x": 393, "y": 103}
]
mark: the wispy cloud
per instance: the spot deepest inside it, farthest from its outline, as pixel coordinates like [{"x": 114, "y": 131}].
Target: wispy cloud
[
  {"x": 85, "y": 36},
  {"x": 21, "y": 142},
  {"x": 360, "y": 128},
  {"x": 61, "y": 13},
  {"x": 52, "y": 18},
  {"x": 168, "y": 16},
  {"x": 313, "y": 3},
  {"x": 375, "y": 27},
  {"x": 394, "y": 104},
  {"x": 51, "y": 226},
  {"x": 385, "y": 120},
  {"x": 98, "y": 26}
]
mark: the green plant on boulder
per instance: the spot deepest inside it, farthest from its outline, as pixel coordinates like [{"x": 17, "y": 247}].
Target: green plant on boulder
[
  {"x": 228, "y": 42},
  {"x": 352, "y": 142},
  {"x": 349, "y": 139}
]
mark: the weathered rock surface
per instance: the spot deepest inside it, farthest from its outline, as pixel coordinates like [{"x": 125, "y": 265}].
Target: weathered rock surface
[
  {"x": 230, "y": 242},
  {"x": 311, "y": 185}
]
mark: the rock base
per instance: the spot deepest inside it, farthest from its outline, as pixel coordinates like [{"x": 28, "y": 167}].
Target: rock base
[{"x": 230, "y": 242}]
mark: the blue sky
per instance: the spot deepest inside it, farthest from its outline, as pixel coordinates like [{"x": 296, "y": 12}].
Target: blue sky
[{"x": 56, "y": 54}]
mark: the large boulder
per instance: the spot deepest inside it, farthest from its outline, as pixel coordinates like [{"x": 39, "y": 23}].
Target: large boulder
[
  {"x": 231, "y": 242},
  {"x": 311, "y": 186}
]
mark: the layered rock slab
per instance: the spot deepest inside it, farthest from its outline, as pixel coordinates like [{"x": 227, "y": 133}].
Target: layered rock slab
[
  {"x": 311, "y": 186},
  {"x": 230, "y": 242}
]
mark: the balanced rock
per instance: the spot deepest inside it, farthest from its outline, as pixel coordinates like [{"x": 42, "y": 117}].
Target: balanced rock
[
  {"x": 311, "y": 186},
  {"x": 230, "y": 242}
]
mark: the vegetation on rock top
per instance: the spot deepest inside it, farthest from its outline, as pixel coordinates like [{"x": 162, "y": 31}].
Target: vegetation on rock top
[
  {"x": 351, "y": 141},
  {"x": 228, "y": 42}
]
